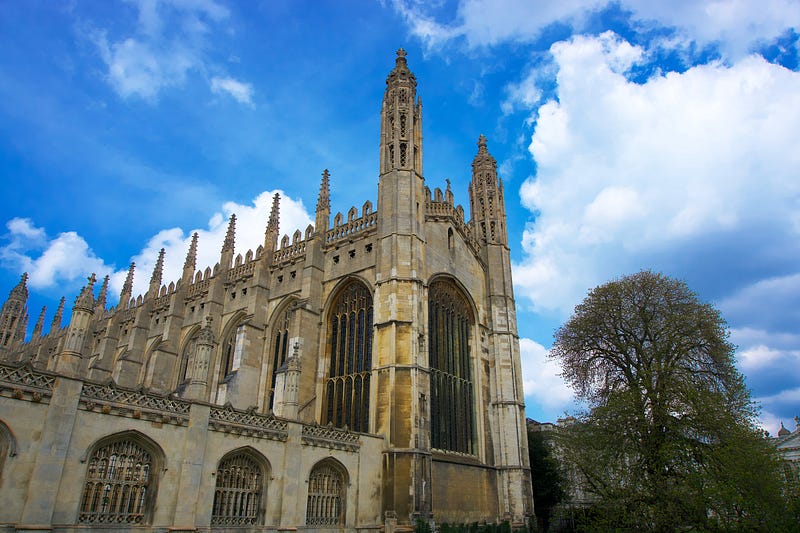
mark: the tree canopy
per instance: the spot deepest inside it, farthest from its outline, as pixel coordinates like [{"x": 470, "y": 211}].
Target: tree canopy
[{"x": 670, "y": 440}]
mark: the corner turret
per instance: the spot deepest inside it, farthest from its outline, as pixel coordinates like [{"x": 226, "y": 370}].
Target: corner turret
[
  {"x": 14, "y": 315},
  {"x": 487, "y": 206}
]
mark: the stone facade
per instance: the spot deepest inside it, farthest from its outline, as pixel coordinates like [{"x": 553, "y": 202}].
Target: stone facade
[{"x": 359, "y": 375}]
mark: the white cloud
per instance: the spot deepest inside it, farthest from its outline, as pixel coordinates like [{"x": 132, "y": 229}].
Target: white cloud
[
  {"x": 541, "y": 379},
  {"x": 525, "y": 94},
  {"x": 241, "y": 92},
  {"x": 736, "y": 25},
  {"x": 628, "y": 171},
  {"x": 251, "y": 222},
  {"x": 67, "y": 259},
  {"x": 170, "y": 41},
  {"x": 49, "y": 262}
]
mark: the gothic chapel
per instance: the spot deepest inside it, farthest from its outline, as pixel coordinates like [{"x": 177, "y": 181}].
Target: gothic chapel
[{"x": 360, "y": 375}]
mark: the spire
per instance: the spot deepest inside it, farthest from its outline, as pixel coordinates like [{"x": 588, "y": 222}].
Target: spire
[
  {"x": 273, "y": 224},
  {"x": 85, "y": 300},
  {"x": 55, "y": 325},
  {"x": 230, "y": 236},
  {"x": 275, "y": 214},
  {"x": 401, "y": 120},
  {"x": 190, "y": 264},
  {"x": 158, "y": 272},
  {"x": 100, "y": 304},
  {"x": 127, "y": 288},
  {"x": 37, "y": 329},
  {"x": 226, "y": 255},
  {"x": 323, "y": 203}
]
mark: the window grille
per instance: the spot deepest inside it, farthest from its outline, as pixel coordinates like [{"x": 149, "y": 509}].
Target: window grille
[
  {"x": 350, "y": 349},
  {"x": 452, "y": 396},
  {"x": 118, "y": 482},
  {"x": 238, "y": 494},
  {"x": 326, "y": 496},
  {"x": 281, "y": 349}
]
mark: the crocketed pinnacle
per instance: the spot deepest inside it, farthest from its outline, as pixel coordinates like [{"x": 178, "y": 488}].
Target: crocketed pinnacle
[
  {"x": 230, "y": 236},
  {"x": 101, "y": 298},
  {"x": 58, "y": 317},
  {"x": 20, "y": 291},
  {"x": 191, "y": 256},
  {"x": 85, "y": 300},
  {"x": 158, "y": 273},
  {"x": 127, "y": 287},
  {"x": 324, "y": 199},
  {"x": 37, "y": 329},
  {"x": 273, "y": 224}
]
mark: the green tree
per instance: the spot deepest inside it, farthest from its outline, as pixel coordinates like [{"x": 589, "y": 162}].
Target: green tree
[
  {"x": 547, "y": 476},
  {"x": 670, "y": 440}
]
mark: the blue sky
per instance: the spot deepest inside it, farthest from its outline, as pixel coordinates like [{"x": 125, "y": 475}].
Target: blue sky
[{"x": 630, "y": 135}]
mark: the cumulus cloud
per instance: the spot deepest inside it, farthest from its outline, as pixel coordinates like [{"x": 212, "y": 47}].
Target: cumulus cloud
[
  {"x": 49, "y": 261},
  {"x": 736, "y": 25},
  {"x": 541, "y": 377},
  {"x": 241, "y": 92},
  {"x": 170, "y": 41},
  {"x": 67, "y": 258},
  {"x": 632, "y": 173}
]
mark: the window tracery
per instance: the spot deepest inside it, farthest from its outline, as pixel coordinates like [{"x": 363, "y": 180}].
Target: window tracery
[
  {"x": 350, "y": 350},
  {"x": 119, "y": 482},
  {"x": 452, "y": 394},
  {"x": 239, "y": 491},
  {"x": 326, "y": 496}
]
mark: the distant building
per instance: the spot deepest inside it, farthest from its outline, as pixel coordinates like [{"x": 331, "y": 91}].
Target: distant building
[
  {"x": 357, "y": 375},
  {"x": 787, "y": 443}
]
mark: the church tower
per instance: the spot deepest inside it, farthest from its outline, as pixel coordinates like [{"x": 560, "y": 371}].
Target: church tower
[
  {"x": 487, "y": 208},
  {"x": 402, "y": 381}
]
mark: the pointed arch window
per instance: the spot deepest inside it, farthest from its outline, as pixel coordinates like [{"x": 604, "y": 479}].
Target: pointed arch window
[
  {"x": 187, "y": 358},
  {"x": 8, "y": 446},
  {"x": 350, "y": 354},
  {"x": 327, "y": 488},
  {"x": 120, "y": 484},
  {"x": 232, "y": 351},
  {"x": 280, "y": 347},
  {"x": 239, "y": 491},
  {"x": 452, "y": 394}
]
